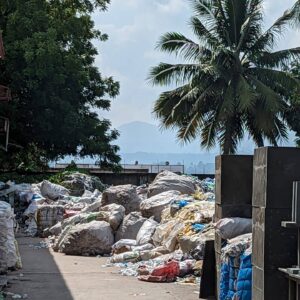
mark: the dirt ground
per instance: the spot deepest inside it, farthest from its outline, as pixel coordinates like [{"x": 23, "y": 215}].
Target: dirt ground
[{"x": 47, "y": 275}]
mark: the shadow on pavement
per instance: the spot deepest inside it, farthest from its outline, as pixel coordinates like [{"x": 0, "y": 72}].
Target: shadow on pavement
[{"x": 41, "y": 279}]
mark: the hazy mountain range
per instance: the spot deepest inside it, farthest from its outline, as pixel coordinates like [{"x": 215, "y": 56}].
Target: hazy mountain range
[{"x": 148, "y": 144}]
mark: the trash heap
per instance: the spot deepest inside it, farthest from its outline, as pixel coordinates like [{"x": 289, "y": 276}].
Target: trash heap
[
  {"x": 156, "y": 232},
  {"x": 165, "y": 241}
]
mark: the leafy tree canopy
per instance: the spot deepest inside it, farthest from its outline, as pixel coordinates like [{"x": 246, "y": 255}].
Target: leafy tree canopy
[
  {"x": 231, "y": 80},
  {"x": 56, "y": 87}
]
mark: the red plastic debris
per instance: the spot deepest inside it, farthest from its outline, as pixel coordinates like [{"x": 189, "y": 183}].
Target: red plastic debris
[
  {"x": 165, "y": 273},
  {"x": 70, "y": 213}
]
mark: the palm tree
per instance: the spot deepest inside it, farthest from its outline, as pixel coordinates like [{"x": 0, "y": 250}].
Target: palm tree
[{"x": 232, "y": 81}]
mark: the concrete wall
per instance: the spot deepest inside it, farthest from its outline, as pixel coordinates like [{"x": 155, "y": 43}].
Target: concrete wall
[
  {"x": 233, "y": 193},
  {"x": 274, "y": 171}
]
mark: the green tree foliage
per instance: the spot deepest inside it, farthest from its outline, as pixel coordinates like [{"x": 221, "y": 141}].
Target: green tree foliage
[
  {"x": 56, "y": 87},
  {"x": 231, "y": 80},
  {"x": 293, "y": 112}
]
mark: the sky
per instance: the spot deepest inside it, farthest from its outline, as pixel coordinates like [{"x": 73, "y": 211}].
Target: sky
[{"x": 134, "y": 27}]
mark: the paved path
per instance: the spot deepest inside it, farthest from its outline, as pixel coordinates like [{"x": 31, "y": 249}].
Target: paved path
[{"x": 54, "y": 276}]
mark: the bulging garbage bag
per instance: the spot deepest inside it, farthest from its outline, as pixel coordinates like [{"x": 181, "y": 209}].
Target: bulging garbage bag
[
  {"x": 145, "y": 233},
  {"x": 169, "y": 181},
  {"x": 53, "y": 191},
  {"x": 229, "y": 228},
  {"x": 94, "y": 238},
  {"x": 116, "y": 214},
  {"x": 154, "y": 206},
  {"x": 56, "y": 229},
  {"x": 130, "y": 226},
  {"x": 124, "y": 245},
  {"x": 124, "y": 195},
  {"x": 49, "y": 215}
]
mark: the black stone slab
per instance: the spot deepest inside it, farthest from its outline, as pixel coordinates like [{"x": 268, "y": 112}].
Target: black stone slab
[
  {"x": 274, "y": 170},
  {"x": 234, "y": 179}
]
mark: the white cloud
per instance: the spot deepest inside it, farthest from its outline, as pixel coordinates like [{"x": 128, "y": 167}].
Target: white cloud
[
  {"x": 134, "y": 27},
  {"x": 171, "y": 6}
]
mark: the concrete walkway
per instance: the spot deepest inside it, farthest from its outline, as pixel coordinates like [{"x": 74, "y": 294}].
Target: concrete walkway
[{"x": 53, "y": 276}]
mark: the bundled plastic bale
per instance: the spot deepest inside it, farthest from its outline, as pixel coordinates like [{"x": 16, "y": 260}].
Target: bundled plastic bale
[
  {"x": 122, "y": 246},
  {"x": 171, "y": 240},
  {"x": 162, "y": 232},
  {"x": 78, "y": 183},
  {"x": 229, "y": 228},
  {"x": 116, "y": 214},
  {"x": 49, "y": 215},
  {"x": 145, "y": 233},
  {"x": 93, "y": 207},
  {"x": 132, "y": 256},
  {"x": 144, "y": 247},
  {"x": 9, "y": 257},
  {"x": 169, "y": 181},
  {"x": 197, "y": 212},
  {"x": 56, "y": 229},
  {"x": 154, "y": 206},
  {"x": 153, "y": 253},
  {"x": 189, "y": 243},
  {"x": 53, "y": 191},
  {"x": 94, "y": 238},
  {"x": 124, "y": 195},
  {"x": 166, "y": 235},
  {"x": 130, "y": 226},
  {"x": 5, "y": 211},
  {"x": 61, "y": 237},
  {"x": 36, "y": 188}
]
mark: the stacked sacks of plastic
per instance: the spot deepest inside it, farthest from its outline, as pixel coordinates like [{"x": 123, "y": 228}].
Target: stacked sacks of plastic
[
  {"x": 101, "y": 223},
  {"x": 42, "y": 211},
  {"x": 236, "y": 268},
  {"x": 90, "y": 233},
  {"x": 176, "y": 225},
  {"x": 49, "y": 203},
  {"x": 9, "y": 254}
]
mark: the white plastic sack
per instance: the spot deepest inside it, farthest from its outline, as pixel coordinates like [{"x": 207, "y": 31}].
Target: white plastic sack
[
  {"x": 92, "y": 207},
  {"x": 53, "y": 191},
  {"x": 8, "y": 252},
  {"x": 93, "y": 238},
  {"x": 122, "y": 246},
  {"x": 169, "y": 181},
  {"x": 230, "y": 228},
  {"x": 56, "y": 229},
  {"x": 124, "y": 195},
  {"x": 130, "y": 226},
  {"x": 116, "y": 214},
  {"x": 144, "y": 247},
  {"x": 31, "y": 209},
  {"x": 155, "y": 205},
  {"x": 145, "y": 233}
]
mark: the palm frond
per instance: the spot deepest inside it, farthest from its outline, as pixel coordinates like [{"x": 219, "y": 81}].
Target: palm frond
[
  {"x": 269, "y": 38},
  {"x": 165, "y": 74},
  {"x": 278, "y": 59},
  {"x": 173, "y": 42}
]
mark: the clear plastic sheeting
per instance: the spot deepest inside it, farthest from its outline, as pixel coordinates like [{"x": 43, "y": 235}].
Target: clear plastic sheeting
[{"x": 9, "y": 257}]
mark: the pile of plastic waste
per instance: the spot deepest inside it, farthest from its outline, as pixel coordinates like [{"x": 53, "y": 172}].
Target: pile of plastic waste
[{"x": 156, "y": 232}]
